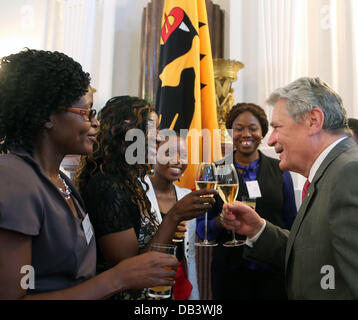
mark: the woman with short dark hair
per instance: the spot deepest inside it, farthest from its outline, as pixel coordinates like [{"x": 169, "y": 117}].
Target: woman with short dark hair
[{"x": 233, "y": 277}]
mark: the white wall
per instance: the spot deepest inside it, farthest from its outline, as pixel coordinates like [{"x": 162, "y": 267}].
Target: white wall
[
  {"x": 21, "y": 25},
  {"x": 319, "y": 36},
  {"x": 127, "y": 46}
]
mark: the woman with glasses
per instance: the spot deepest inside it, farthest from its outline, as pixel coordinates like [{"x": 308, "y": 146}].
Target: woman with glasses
[
  {"x": 111, "y": 185},
  {"x": 47, "y": 246}
]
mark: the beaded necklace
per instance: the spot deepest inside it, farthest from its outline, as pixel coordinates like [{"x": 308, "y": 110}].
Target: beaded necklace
[{"x": 67, "y": 192}]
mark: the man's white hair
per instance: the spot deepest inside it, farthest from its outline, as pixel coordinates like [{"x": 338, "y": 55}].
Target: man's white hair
[{"x": 304, "y": 94}]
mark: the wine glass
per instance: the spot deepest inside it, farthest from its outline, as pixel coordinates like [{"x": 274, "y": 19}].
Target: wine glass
[
  {"x": 228, "y": 187},
  {"x": 205, "y": 178}
]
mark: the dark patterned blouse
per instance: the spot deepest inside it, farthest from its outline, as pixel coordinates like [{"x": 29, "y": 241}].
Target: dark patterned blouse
[{"x": 110, "y": 208}]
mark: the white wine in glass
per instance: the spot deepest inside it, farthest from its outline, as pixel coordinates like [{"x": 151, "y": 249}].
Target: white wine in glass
[
  {"x": 228, "y": 187},
  {"x": 228, "y": 192},
  {"x": 205, "y": 178},
  {"x": 206, "y": 185}
]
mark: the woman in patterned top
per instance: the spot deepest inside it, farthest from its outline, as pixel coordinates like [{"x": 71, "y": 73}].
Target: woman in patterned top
[{"x": 111, "y": 185}]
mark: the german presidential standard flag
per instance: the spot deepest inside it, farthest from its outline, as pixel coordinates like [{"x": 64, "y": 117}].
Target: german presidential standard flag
[{"x": 186, "y": 91}]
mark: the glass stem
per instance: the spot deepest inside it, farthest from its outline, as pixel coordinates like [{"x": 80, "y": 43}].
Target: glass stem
[
  {"x": 206, "y": 227},
  {"x": 233, "y": 236}
]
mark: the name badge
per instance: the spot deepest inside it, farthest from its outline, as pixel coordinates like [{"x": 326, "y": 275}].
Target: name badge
[
  {"x": 87, "y": 228},
  {"x": 253, "y": 189}
]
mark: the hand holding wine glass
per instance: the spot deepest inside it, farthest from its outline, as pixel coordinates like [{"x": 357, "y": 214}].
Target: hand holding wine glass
[{"x": 228, "y": 187}]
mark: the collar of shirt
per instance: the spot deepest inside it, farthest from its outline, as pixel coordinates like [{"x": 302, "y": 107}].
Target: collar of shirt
[
  {"x": 321, "y": 157},
  {"x": 249, "y": 172}
]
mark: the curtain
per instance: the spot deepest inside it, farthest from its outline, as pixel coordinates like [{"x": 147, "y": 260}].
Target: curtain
[
  {"x": 282, "y": 40},
  {"x": 84, "y": 30},
  {"x": 354, "y": 23}
]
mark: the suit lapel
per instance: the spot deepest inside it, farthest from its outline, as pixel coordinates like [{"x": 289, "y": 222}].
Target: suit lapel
[{"x": 332, "y": 155}]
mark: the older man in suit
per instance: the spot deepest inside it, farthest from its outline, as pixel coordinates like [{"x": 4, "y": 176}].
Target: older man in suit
[{"x": 320, "y": 253}]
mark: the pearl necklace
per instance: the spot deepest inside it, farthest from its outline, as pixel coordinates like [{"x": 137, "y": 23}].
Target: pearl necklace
[{"x": 67, "y": 192}]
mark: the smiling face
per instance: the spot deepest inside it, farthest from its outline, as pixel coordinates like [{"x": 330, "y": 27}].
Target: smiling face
[
  {"x": 247, "y": 133},
  {"x": 72, "y": 133},
  {"x": 172, "y": 166},
  {"x": 290, "y": 140}
]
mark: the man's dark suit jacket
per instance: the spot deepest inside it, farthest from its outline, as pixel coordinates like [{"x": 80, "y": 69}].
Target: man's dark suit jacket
[{"x": 320, "y": 254}]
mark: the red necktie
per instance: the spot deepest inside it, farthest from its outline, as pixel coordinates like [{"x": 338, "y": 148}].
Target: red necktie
[{"x": 305, "y": 188}]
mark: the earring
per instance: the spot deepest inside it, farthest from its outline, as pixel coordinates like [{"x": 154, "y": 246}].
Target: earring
[{"x": 48, "y": 125}]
